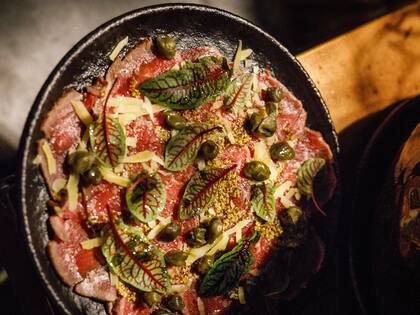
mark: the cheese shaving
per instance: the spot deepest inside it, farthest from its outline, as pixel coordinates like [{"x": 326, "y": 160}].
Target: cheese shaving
[
  {"x": 241, "y": 295},
  {"x": 200, "y": 306},
  {"x": 113, "y": 178},
  {"x": 156, "y": 230},
  {"x": 282, "y": 192},
  {"x": 82, "y": 112},
  {"x": 220, "y": 245},
  {"x": 118, "y": 48},
  {"x": 201, "y": 164},
  {"x": 51, "y": 163},
  {"x": 261, "y": 153},
  {"x": 58, "y": 184},
  {"x": 148, "y": 107},
  {"x": 239, "y": 226},
  {"x": 36, "y": 160},
  {"x": 228, "y": 131},
  {"x": 114, "y": 279},
  {"x": 239, "y": 56},
  {"x": 134, "y": 106},
  {"x": 143, "y": 156},
  {"x": 197, "y": 253},
  {"x": 92, "y": 243},
  {"x": 73, "y": 191},
  {"x": 131, "y": 142}
]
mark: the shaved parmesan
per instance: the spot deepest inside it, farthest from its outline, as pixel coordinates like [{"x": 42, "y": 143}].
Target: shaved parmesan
[
  {"x": 73, "y": 191},
  {"x": 220, "y": 245},
  {"x": 228, "y": 131},
  {"x": 127, "y": 118},
  {"x": 36, "y": 160},
  {"x": 156, "y": 230},
  {"x": 82, "y": 112},
  {"x": 51, "y": 163},
  {"x": 241, "y": 295},
  {"x": 148, "y": 106},
  {"x": 238, "y": 235},
  {"x": 152, "y": 224},
  {"x": 282, "y": 192},
  {"x": 261, "y": 153},
  {"x": 197, "y": 253},
  {"x": 143, "y": 156},
  {"x": 178, "y": 288},
  {"x": 248, "y": 63},
  {"x": 113, "y": 178},
  {"x": 92, "y": 243},
  {"x": 201, "y": 164},
  {"x": 133, "y": 105},
  {"x": 200, "y": 306},
  {"x": 58, "y": 184},
  {"x": 131, "y": 142},
  {"x": 114, "y": 279},
  {"x": 239, "y": 56},
  {"x": 239, "y": 226},
  {"x": 118, "y": 48}
]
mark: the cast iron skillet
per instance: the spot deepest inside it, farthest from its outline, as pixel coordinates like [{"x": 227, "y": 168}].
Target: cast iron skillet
[
  {"x": 382, "y": 282},
  {"x": 191, "y": 25}
]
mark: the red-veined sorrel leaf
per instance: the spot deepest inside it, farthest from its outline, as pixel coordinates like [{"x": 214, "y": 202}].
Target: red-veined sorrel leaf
[
  {"x": 182, "y": 149},
  {"x": 305, "y": 178},
  {"x": 238, "y": 92},
  {"x": 146, "y": 197},
  {"x": 108, "y": 143},
  {"x": 194, "y": 84},
  {"x": 132, "y": 259},
  {"x": 262, "y": 201},
  {"x": 226, "y": 271},
  {"x": 200, "y": 190}
]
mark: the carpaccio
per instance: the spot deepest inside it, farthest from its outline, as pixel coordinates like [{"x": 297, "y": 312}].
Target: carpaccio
[{"x": 109, "y": 239}]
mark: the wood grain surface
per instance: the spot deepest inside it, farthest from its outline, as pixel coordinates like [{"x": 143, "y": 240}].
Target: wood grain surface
[{"x": 366, "y": 70}]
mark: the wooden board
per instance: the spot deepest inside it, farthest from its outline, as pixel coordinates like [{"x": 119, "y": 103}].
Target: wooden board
[{"x": 369, "y": 68}]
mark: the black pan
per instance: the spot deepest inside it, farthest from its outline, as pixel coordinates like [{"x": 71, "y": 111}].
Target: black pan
[
  {"x": 191, "y": 25},
  {"x": 382, "y": 282}
]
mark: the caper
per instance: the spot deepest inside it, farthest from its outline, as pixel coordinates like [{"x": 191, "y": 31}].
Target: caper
[
  {"x": 165, "y": 46},
  {"x": 256, "y": 170},
  {"x": 176, "y": 258},
  {"x": 170, "y": 232},
  {"x": 174, "y": 120},
  {"x": 268, "y": 126},
  {"x": 80, "y": 161},
  {"x": 92, "y": 176},
  {"x": 281, "y": 151},
  {"x": 254, "y": 121},
  {"x": 204, "y": 263},
  {"x": 214, "y": 230},
  {"x": 196, "y": 237},
  {"x": 175, "y": 303},
  {"x": 271, "y": 107},
  {"x": 274, "y": 94},
  {"x": 152, "y": 298},
  {"x": 209, "y": 150}
]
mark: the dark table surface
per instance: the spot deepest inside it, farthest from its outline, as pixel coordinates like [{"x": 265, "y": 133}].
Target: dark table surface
[{"x": 34, "y": 35}]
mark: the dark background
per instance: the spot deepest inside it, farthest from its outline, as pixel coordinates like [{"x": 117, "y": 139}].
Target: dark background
[{"x": 34, "y": 35}]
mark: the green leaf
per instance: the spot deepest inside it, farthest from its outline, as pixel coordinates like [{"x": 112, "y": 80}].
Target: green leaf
[
  {"x": 107, "y": 140},
  {"x": 306, "y": 175},
  {"x": 226, "y": 271},
  {"x": 201, "y": 191},
  {"x": 133, "y": 260},
  {"x": 146, "y": 197},
  {"x": 263, "y": 202},
  {"x": 194, "y": 84},
  {"x": 238, "y": 92},
  {"x": 182, "y": 149}
]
